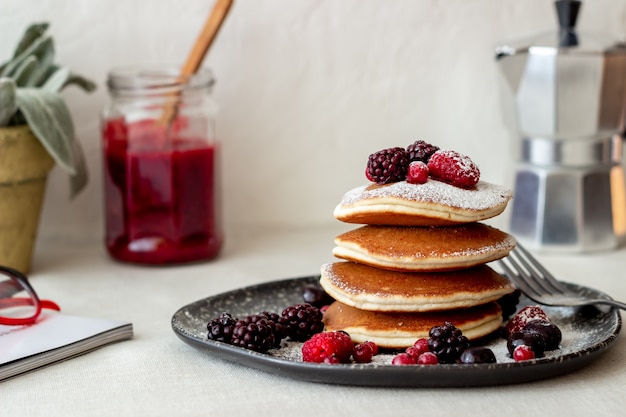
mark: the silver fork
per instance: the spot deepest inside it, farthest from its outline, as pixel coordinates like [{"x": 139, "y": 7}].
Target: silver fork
[{"x": 539, "y": 285}]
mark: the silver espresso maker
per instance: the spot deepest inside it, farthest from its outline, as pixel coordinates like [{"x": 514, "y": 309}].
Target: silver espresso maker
[{"x": 569, "y": 92}]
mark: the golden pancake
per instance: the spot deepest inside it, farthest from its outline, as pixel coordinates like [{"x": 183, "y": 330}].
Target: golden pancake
[
  {"x": 375, "y": 289},
  {"x": 415, "y": 249},
  {"x": 400, "y": 330},
  {"x": 433, "y": 203}
]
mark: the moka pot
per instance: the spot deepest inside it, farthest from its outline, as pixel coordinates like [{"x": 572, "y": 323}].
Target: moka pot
[{"x": 569, "y": 91}]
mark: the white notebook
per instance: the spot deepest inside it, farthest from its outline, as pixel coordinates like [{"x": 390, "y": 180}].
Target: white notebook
[{"x": 55, "y": 337}]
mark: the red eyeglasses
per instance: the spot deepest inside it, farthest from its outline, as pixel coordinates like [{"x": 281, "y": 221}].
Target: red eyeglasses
[{"x": 19, "y": 303}]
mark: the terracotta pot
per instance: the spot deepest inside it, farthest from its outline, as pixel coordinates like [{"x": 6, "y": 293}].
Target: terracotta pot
[{"x": 24, "y": 168}]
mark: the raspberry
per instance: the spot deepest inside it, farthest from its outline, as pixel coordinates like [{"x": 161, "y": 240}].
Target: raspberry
[
  {"x": 427, "y": 358},
  {"x": 362, "y": 353},
  {"x": 387, "y": 166},
  {"x": 302, "y": 321},
  {"x": 523, "y": 317},
  {"x": 254, "y": 333},
  {"x": 417, "y": 173},
  {"x": 403, "y": 359},
  {"x": 453, "y": 168},
  {"x": 447, "y": 342},
  {"x": 328, "y": 347},
  {"x": 420, "y": 151},
  {"x": 221, "y": 328},
  {"x": 523, "y": 353}
]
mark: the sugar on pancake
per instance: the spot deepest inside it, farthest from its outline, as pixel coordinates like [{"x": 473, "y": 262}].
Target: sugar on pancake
[
  {"x": 368, "y": 288},
  {"x": 399, "y": 330},
  {"x": 414, "y": 249},
  {"x": 433, "y": 203}
]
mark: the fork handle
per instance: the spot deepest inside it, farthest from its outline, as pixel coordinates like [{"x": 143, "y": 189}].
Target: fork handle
[{"x": 613, "y": 303}]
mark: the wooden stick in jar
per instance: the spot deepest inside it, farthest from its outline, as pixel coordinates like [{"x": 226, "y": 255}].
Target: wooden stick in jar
[{"x": 198, "y": 51}]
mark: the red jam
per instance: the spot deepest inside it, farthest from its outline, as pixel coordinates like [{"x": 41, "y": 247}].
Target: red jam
[{"x": 161, "y": 200}]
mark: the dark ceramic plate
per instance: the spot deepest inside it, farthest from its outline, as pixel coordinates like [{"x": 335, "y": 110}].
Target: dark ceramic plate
[{"x": 587, "y": 333}]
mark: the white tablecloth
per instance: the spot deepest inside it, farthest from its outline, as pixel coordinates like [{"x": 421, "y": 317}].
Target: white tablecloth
[{"x": 156, "y": 374}]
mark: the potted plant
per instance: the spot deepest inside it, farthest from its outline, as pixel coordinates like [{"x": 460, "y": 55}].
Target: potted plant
[{"x": 36, "y": 131}]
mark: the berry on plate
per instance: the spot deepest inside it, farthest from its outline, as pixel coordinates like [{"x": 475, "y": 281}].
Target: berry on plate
[
  {"x": 328, "y": 347},
  {"x": 525, "y": 316}
]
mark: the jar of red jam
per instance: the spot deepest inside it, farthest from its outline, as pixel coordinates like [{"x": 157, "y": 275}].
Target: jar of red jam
[{"x": 161, "y": 177}]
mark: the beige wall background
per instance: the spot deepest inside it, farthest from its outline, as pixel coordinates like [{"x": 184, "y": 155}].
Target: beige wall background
[{"x": 307, "y": 89}]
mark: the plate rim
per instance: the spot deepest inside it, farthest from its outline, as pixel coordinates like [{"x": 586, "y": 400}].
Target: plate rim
[{"x": 387, "y": 375}]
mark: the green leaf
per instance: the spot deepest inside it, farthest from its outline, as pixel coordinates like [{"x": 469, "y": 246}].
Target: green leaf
[
  {"x": 50, "y": 120},
  {"x": 40, "y": 48},
  {"x": 32, "y": 33},
  {"x": 8, "y": 102},
  {"x": 25, "y": 71},
  {"x": 57, "y": 80},
  {"x": 81, "y": 82}
]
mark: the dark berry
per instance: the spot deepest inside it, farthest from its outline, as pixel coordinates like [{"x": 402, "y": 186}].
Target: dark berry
[
  {"x": 550, "y": 332},
  {"x": 254, "y": 333},
  {"x": 447, "y": 342},
  {"x": 302, "y": 321},
  {"x": 316, "y": 296},
  {"x": 221, "y": 328},
  {"x": 535, "y": 341},
  {"x": 387, "y": 166},
  {"x": 278, "y": 328},
  {"x": 478, "y": 355},
  {"x": 328, "y": 347},
  {"x": 420, "y": 151},
  {"x": 523, "y": 353},
  {"x": 508, "y": 303}
]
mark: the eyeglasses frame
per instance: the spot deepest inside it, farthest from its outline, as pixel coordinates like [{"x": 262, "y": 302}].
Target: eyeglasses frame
[{"x": 6, "y": 300}]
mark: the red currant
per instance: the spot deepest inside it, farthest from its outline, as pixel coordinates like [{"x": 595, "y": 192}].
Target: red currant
[
  {"x": 403, "y": 359},
  {"x": 427, "y": 358},
  {"x": 523, "y": 353}
]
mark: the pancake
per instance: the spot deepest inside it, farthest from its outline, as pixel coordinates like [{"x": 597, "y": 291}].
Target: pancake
[
  {"x": 375, "y": 289},
  {"x": 433, "y": 203},
  {"x": 424, "y": 248},
  {"x": 400, "y": 330}
]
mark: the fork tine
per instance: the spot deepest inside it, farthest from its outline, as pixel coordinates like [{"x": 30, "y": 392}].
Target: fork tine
[
  {"x": 550, "y": 283},
  {"x": 512, "y": 273},
  {"x": 522, "y": 278}
]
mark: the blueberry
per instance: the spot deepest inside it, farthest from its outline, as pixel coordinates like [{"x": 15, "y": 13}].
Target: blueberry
[
  {"x": 550, "y": 332},
  {"x": 478, "y": 355},
  {"x": 535, "y": 341},
  {"x": 316, "y": 296}
]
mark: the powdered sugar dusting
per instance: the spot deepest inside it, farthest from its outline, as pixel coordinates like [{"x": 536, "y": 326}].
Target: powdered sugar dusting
[{"x": 484, "y": 196}]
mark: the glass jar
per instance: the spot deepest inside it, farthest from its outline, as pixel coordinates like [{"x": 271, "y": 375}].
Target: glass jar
[{"x": 161, "y": 178}]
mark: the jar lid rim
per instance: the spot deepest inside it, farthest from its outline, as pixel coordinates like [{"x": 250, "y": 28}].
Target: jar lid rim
[{"x": 156, "y": 77}]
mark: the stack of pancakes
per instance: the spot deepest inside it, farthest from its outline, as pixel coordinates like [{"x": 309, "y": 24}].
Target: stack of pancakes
[{"x": 417, "y": 261}]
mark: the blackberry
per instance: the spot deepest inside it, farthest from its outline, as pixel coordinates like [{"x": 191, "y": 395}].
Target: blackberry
[
  {"x": 420, "y": 151},
  {"x": 278, "y": 328},
  {"x": 255, "y": 333},
  {"x": 221, "y": 328},
  {"x": 508, "y": 303},
  {"x": 302, "y": 321},
  {"x": 447, "y": 342},
  {"x": 387, "y": 166}
]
